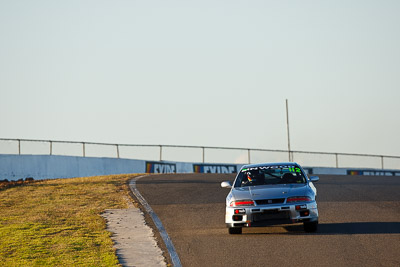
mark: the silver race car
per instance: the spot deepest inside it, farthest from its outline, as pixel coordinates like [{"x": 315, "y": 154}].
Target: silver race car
[{"x": 271, "y": 194}]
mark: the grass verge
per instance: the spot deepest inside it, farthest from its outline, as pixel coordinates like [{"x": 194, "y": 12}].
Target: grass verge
[{"x": 58, "y": 222}]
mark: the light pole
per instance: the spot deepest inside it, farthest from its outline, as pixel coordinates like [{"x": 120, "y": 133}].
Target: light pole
[{"x": 287, "y": 126}]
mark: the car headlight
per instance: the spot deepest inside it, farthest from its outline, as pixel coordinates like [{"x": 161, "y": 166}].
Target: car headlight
[
  {"x": 298, "y": 199},
  {"x": 246, "y": 202}
]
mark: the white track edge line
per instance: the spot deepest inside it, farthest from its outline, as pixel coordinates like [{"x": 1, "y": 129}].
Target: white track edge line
[{"x": 168, "y": 243}]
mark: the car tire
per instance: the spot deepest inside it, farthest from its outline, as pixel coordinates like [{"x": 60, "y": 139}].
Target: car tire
[
  {"x": 235, "y": 230},
  {"x": 311, "y": 227}
]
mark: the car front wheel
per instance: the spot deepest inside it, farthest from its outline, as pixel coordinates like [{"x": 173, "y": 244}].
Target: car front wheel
[
  {"x": 235, "y": 230},
  {"x": 311, "y": 227}
]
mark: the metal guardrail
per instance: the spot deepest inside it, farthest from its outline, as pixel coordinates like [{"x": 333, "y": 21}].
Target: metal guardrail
[{"x": 203, "y": 149}]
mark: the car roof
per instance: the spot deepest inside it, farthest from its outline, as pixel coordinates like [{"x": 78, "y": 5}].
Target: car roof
[{"x": 270, "y": 164}]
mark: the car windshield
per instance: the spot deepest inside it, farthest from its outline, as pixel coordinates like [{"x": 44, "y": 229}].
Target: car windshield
[{"x": 267, "y": 175}]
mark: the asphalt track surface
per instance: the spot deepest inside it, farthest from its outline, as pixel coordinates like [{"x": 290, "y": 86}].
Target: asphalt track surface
[{"x": 359, "y": 223}]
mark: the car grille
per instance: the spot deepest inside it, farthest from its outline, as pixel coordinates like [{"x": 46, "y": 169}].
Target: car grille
[{"x": 270, "y": 201}]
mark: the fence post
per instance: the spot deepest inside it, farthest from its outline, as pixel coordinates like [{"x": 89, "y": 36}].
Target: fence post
[
  {"x": 19, "y": 147},
  {"x": 337, "y": 160},
  {"x": 117, "y": 150},
  {"x": 203, "y": 156},
  {"x": 160, "y": 152},
  {"x": 382, "y": 162},
  {"x": 83, "y": 148},
  {"x": 248, "y": 155},
  {"x": 51, "y": 148}
]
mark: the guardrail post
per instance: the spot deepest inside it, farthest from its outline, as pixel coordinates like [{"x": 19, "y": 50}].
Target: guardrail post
[
  {"x": 203, "y": 156},
  {"x": 83, "y": 147},
  {"x": 382, "y": 162},
  {"x": 117, "y": 150},
  {"x": 51, "y": 148},
  {"x": 337, "y": 160},
  {"x": 19, "y": 147},
  {"x": 160, "y": 152},
  {"x": 248, "y": 155}
]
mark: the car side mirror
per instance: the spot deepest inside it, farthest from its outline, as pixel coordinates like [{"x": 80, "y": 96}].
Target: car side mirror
[
  {"x": 226, "y": 184},
  {"x": 314, "y": 179}
]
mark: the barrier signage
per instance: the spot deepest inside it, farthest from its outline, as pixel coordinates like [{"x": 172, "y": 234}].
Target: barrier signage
[
  {"x": 159, "y": 167},
  {"x": 373, "y": 172},
  {"x": 213, "y": 168},
  {"x": 308, "y": 170}
]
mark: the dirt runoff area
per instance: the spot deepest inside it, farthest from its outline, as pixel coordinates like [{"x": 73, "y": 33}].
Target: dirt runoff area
[{"x": 133, "y": 239}]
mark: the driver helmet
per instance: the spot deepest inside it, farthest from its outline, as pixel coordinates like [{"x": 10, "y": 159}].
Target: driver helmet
[{"x": 249, "y": 176}]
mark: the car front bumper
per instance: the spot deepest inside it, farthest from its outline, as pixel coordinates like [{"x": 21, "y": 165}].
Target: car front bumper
[{"x": 254, "y": 216}]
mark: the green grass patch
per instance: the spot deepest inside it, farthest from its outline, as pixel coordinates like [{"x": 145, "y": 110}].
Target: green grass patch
[{"x": 58, "y": 222}]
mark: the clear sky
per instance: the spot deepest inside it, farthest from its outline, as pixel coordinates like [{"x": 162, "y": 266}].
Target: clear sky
[{"x": 213, "y": 73}]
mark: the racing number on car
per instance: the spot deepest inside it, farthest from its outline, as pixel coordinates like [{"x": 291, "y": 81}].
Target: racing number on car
[{"x": 294, "y": 170}]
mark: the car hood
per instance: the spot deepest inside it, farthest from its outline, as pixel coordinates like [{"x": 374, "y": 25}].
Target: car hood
[{"x": 269, "y": 191}]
